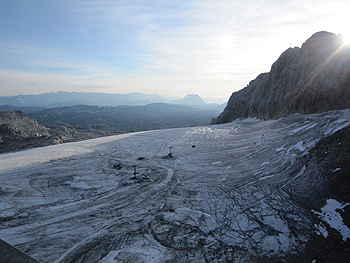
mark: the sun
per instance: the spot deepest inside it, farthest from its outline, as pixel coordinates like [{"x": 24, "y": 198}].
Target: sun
[
  {"x": 346, "y": 38},
  {"x": 336, "y": 18}
]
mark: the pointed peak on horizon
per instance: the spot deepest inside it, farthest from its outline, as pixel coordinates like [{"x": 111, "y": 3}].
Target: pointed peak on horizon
[{"x": 193, "y": 99}]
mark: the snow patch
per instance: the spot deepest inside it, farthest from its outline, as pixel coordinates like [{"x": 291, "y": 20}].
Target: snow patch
[
  {"x": 136, "y": 253},
  {"x": 216, "y": 162},
  {"x": 280, "y": 148},
  {"x": 338, "y": 127},
  {"x": 298, "y": 146},
  {"x": 266, "y": 177},
  {"x": 330, "y": 215},
  {"x": 265, "y": 163},
  {"x": 321, "y": 230},
  {"x": 306, "y": 127}
]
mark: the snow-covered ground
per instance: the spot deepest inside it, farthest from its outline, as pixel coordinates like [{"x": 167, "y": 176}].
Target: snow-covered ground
[{"x": 222, "y": 197}]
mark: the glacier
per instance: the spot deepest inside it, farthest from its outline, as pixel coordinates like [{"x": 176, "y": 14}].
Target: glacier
[{"x": 228, "y": 199}]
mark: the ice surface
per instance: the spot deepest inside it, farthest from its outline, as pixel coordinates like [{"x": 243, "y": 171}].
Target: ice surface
[
  {"x": 226, "y": 198},
  {"x": 306, "y": 127}
]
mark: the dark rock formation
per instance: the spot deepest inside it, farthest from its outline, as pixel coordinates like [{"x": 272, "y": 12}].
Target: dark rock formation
[
  {"x": 311, "y": 79},
  {"x": 332, "y": 154},
  {"x": 10, "y": 254}
]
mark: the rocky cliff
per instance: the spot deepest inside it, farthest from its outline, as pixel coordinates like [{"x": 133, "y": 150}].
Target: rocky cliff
[{"x": 311, "y": 79}]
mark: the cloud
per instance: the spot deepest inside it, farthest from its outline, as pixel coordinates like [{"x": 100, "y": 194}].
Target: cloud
[
  {"x": 233, "y": 38},
  {"x": 158, "y": 45}
]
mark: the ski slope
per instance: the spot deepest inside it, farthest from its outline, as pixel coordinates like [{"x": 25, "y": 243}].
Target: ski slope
[{"x": 223, "y": 197}]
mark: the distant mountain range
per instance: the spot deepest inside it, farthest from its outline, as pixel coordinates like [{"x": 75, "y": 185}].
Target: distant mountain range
[
  {"x": 59, "y": 99},
  {"x": 311, "y": 79}
]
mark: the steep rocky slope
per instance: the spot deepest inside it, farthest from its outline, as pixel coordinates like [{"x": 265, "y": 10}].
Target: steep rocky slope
[{"x": 311, "y": 79}]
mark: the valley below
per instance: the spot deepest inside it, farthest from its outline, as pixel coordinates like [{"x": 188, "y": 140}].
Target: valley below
[{"x": 245, "y": 191}]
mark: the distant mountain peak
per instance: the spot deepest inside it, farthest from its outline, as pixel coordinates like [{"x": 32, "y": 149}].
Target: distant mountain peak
[{"x": 192, "y": 99}]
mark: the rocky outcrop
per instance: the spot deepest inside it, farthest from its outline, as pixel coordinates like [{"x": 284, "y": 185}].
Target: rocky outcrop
[
  {"x": 311, "y": 79},
  {"x": 16, "y": 123},
  {"x": 19, "y": 131}
]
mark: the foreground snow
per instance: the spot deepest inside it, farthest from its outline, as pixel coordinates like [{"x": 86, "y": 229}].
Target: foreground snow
[{"x": 222, "y": 197}]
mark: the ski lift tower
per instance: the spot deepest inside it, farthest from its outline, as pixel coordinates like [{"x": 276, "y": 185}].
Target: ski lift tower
[
  {"x": 134, "y": 173},
  {"x": 170, "y": 154}
]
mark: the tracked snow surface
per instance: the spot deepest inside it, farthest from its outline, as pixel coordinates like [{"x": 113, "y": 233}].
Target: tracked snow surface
[{"x": 222, "y": 196}]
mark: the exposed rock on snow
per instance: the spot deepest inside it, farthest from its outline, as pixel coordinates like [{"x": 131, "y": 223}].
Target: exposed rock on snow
[{"x": 68, "y": 203}]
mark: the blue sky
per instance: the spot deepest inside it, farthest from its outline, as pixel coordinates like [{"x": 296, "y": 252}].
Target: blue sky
[{"x": 209, "y": 47}]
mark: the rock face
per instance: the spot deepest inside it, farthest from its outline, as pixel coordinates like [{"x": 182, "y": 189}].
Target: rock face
[{"x": 311, "y": 79}]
